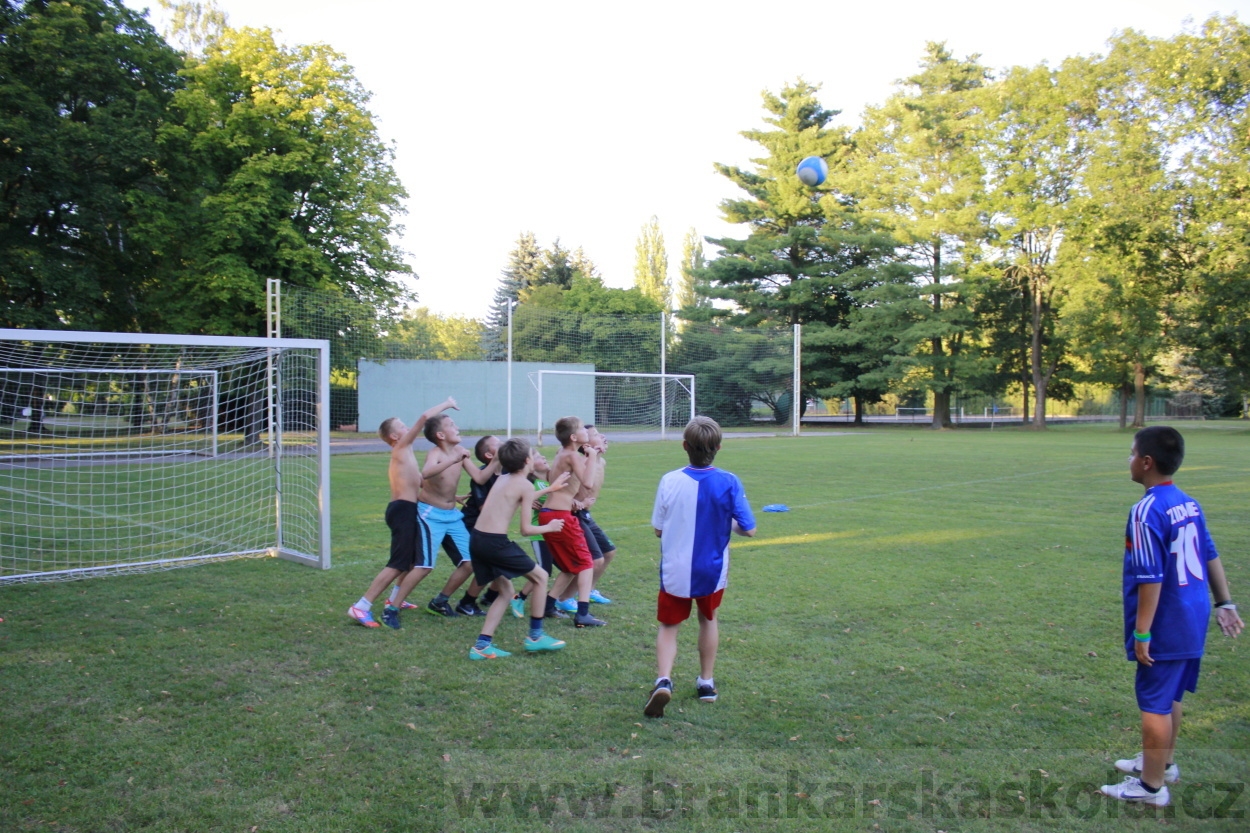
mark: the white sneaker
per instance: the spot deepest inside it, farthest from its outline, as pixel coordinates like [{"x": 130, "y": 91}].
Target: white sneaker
[
  {"x": 1133, "y": 767},
  {"x": 1131, "y": 790}
]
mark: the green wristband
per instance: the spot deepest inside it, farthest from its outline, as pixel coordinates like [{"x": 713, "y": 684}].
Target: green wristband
[{"x": 1141, "y": 637}]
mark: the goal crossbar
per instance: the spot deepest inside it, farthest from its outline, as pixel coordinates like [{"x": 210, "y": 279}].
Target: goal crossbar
[{"x": 685, "y": 380}]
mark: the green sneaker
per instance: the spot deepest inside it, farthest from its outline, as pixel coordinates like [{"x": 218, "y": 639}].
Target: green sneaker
[
  {"x": 546, "y": 642},
  {"x": 489, "y": 652},
  {"x": 518, "y": 607}
]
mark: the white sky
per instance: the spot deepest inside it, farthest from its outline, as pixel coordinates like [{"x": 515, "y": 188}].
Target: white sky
[{"x": 580, "y": 120}]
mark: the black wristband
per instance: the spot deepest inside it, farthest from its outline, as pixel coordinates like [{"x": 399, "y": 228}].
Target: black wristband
[{"x": 1225, "y": 603}]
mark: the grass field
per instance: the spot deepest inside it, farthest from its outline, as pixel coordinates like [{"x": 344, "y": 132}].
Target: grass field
[{"x": 928, "y": 641}]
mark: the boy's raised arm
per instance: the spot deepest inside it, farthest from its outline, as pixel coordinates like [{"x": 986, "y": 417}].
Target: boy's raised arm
[
  {"x": 419, "y": 426},
  {"x": 436, "y": 464},
  {"x": 480, "y": 476}
]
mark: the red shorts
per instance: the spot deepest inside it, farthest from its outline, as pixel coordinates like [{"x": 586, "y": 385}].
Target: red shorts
[
  {"x": 568, "y": 546},
  {"x": 673, "y": 610}
]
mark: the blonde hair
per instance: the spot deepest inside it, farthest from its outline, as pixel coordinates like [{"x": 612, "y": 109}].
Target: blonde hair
[
  {"x": 566, "y": 427},
  {"x": 702, "y": 436},
  {"x": 384, "y": 430}
]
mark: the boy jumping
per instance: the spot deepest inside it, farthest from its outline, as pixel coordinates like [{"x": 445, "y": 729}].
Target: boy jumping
[
  {"x": 696, "y": 509},
  {"x": 1170, "y": 565}
]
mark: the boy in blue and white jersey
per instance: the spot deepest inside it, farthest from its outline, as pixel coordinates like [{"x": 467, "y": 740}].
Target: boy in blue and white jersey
[
  {"x": 1170, "y": 565},
  {"x": 697, "y": 508}
]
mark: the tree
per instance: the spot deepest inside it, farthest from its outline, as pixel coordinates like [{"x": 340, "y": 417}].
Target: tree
[
  {"x": 651, "y": 264},
  {"x": 691, "y": 291},
  {"x": 524, "y": 268},
  {"x": 422, "y": 334},
  {"x": 916, "y": 169},
  {"x": 279, "y": 173},
  {"x": 84, "y": 89}
]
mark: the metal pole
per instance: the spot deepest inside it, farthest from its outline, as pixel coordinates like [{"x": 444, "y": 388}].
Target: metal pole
[
  {"x": 273, "y": 329},
  {"x": 509, "y": 431},
  {"x": 663, "y": 380},
  {"x": 539, "y": 440},
  {"x": 323, "y": 451},
  {"x": 797, "y": 382}
]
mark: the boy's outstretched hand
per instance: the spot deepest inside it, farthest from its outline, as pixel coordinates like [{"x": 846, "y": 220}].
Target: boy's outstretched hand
[{"x": 1230, "y": 623}]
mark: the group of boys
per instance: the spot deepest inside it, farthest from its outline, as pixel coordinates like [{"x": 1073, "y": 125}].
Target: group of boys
[
  {"x": 423, "y": 514},
  {"x": 1171, "y": 568}
]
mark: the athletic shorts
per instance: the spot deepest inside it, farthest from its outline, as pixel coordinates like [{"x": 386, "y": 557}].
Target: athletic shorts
[
  {"x": 494, "y": 555},
  {"x": 453, "y": 552},
  {"x": 446, "y": 523},
  {"x": 1166, "y": 681},
  {"x": 601, "y": 537},
  {"x": 542, "y": 554},
  {"x": 410, "y": 537},
  {"x": 673, "y": 610},
  {"x": 568, "y": 546}
]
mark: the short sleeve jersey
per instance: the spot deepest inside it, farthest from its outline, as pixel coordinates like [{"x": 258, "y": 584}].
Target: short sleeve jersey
[
  {"x": 1166, "y": 542},
  {"x": 694, "y": 511}
]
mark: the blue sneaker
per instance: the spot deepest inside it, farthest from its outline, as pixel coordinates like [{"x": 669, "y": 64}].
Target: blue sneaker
[
  {"x": 364, "y": 617},
  {"x": 546, "y": 642},
  {"x": 599, "y": 598},
  {"x": 517, "y": 606},
  {"x": 390, "y": 617},
  {"x": 489, "y": 652},
  {"x": 568, "y": 605}
]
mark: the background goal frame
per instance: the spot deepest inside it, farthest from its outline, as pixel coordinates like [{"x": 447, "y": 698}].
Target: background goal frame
[{"x": 662, "y": 405}]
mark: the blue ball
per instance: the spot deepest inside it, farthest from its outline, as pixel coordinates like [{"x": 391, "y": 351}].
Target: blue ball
[{"x": 812, "y": 171}]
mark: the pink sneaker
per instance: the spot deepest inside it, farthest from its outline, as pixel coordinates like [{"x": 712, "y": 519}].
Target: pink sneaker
[{"x": 364, "y": 617}]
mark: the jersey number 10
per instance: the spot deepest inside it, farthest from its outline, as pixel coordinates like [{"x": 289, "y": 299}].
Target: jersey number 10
[{"x": 1188, "y": 559}]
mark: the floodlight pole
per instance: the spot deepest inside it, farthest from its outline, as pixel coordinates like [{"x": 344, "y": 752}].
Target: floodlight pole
[
  {"x": 508, "y": 433},
  {"x": 795, "y": 405}
]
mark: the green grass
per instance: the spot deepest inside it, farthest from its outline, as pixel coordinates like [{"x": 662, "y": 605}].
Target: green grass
[{"x": 928, "y": 641}]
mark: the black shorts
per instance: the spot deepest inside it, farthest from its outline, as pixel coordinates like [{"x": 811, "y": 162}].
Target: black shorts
[
  {"x": 410, "y": 537},
  {"x": 596, "y": 540},
  {"x": 453, "y": 552},
  {"x": 494, "y": 555}
]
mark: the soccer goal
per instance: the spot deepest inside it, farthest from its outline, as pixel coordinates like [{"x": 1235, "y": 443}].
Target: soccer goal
[
  {"x": 636, "y": 402},
  {"x": 126, "y": 452}
]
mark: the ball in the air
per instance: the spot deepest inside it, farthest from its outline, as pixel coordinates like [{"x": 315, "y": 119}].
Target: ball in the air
[{"x": 812, "y": 171}]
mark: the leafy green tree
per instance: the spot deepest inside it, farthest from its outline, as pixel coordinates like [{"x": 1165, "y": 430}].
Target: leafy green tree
[
  {"x": 524, "y": 268},
  {"x": 422, "y": 334},
  {"x": 651, "y": 264},
  {"x": 279, "y": 173},
  {"x": 916, "y": 169},
  {"x": 691, "y": 292},
  {"x": 84, "y": 85}
]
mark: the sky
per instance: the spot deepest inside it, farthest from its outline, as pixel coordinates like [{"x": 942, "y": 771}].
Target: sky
[{"x": 579, "y": 121}]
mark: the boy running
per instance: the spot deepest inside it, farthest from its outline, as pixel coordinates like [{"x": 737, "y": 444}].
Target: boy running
[
  {"x": 696, "y": 509},
  {"x": 412, "y": 555},
  {"x": 497, "y": 560},
  {"x": 1170, "y": 566}
]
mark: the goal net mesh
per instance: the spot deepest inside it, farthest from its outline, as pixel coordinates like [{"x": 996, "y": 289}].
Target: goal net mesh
[
  {"x": 616, "y": 401},
  {"x": 120, "y": 456}
]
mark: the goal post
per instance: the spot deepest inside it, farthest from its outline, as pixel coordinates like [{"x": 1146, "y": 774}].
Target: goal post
[
  {"x": 641, "y": 402},
  {"x": 128, "y": 452}
]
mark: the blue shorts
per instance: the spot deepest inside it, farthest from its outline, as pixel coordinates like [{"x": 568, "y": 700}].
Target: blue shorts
[
  {"x": 1166, "y": 681},
  {"x": 446, "y": 523}
]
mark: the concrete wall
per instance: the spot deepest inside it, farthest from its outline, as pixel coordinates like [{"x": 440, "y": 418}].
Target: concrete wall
[{"x": 405, "y": 388}]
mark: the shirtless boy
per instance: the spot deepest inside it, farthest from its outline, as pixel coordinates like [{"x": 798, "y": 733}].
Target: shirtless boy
[
  {"x": 437, "y": 502},
  {"x": 568, "y": 545},
  {"x": 497, "y": 560},
  {"x": 412, "y": 554}
]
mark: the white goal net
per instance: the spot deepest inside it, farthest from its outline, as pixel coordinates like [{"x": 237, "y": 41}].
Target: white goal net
[
  {"x": 644, "y": 403},
  {"x": 124, "y": 452}
]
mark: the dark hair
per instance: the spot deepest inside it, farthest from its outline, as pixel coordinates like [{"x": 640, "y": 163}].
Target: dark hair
[
  {"x": 1163, "y": 444},
  {"x": 432, "y": 425},
  {"x": 513, "y": 455},
  {"x": 702, "y": 436},
  {"x": 479, "y": 449}
]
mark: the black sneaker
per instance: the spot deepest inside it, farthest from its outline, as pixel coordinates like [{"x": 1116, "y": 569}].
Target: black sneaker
[
  {"x": 390, "y": 617},
  {"x": 660, "y": 695},
  {"x": 469, "y": 609},
  {"x": 585, "y": 620},
  {"x": 554, "y": 612},
  {"x": 435, "y": 608},
  {"x": 707, "y": 694}
]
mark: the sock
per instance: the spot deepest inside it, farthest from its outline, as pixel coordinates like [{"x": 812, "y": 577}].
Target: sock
[
  {"x": 659, "y": 680},
  {"x": 522, "y": 596},
  {"x": 364, "y": 604},
  {"x": 468, "y": 598},
  {"x": 583, "y": 608},
  {"x": 536, "y": 627},
  {"x": 441, "y": 597},
  {"x": 1147, "y": 787},
  {"x": 394, "y": 593},
  {"x": 551, "y": 604},
  {"x": 699, "y": 681},
  {"x": 489, "y": 598},
  {"x": 482, "y": 641}
]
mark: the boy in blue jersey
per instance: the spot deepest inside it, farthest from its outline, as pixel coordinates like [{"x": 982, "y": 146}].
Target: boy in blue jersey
[
  {"x": 696, "y": 510},
  {"x": 1170, "y": 565}
]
